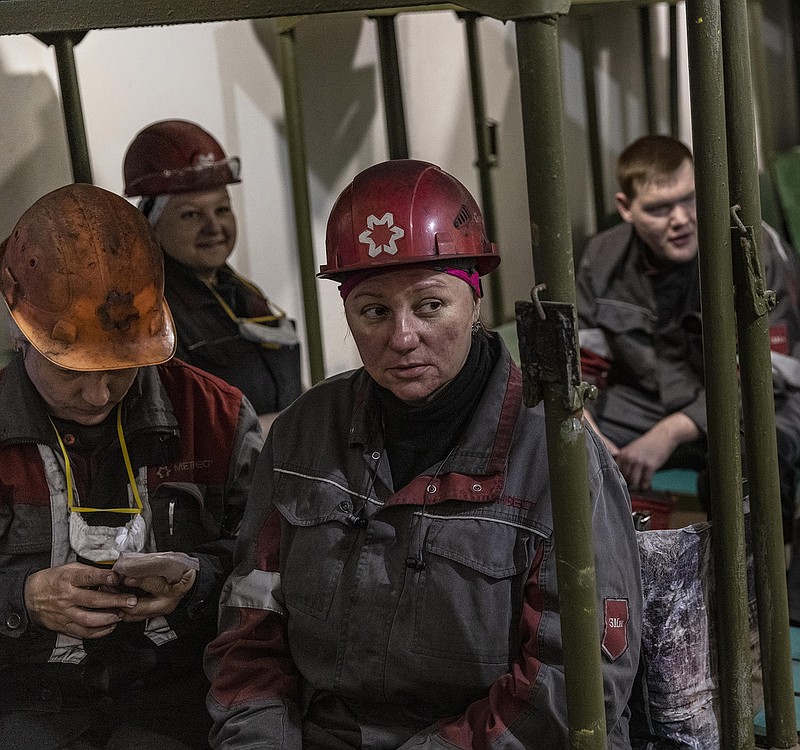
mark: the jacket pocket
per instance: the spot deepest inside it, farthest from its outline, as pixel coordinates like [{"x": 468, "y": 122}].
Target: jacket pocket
[
  {"x": 316, "y": 541},
  {"x": 185, "y": 515},
  {"x": 470, "y": 591}
]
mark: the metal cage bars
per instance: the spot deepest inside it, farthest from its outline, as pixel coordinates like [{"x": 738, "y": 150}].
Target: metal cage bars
[{"x": 537, "y": 40}]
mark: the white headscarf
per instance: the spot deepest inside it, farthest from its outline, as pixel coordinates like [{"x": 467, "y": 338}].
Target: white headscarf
[{"x": 152, "y": 206}]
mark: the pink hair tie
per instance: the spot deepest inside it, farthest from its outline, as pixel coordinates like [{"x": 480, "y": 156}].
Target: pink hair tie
[{"x": 471, "y": 277}]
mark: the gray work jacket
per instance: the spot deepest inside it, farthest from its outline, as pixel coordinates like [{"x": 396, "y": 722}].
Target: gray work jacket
[
  {"x": 656, "y": 372},
  {"x": 420, "y": 616}
]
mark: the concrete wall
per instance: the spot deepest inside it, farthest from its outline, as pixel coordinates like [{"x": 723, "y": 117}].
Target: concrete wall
[{"x": 227, "y": 77}]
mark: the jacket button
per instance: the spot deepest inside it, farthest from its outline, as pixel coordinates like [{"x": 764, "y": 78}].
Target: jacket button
[
  {"x": 13, "y": 621},
  {"x": 47, "y": 694},
  {"x": 476, "y": 488},
  {"x": 345, "y": 506},
  {"x": 431, "y": 488},
  {"x": 376, "y": 455}
]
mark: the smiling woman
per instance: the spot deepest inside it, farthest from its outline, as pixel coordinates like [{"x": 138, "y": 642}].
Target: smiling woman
[
  {"x": 225, "y": 323},
  {"x": 198, "y": 229},
  {"x": 395, "y": 585}
]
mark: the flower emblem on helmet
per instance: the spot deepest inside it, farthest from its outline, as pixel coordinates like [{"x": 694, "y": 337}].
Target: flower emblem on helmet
[{"x": 381, "y": 235}]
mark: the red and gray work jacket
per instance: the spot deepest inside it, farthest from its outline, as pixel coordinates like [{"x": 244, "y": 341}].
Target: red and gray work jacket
[
  {"x": 193, "y": 441},
  {"x": 424, "y": 616}
]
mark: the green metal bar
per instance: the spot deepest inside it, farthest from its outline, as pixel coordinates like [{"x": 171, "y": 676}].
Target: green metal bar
[
  {"x": 592, "y": 119},
  {"x": 540, "y": 87},
  {"x": 43, "y": 16},
  {"x": 487, "y": 159},
  {"x": 64, "y": 46},
  {"x": 302, "y": 210},
  {"x": 646, "y": 40},
  {"x": 794, "y": 11},
  {"x": 758, "y": 400},
  {"x": 760, "y": 74},
  {"x": 674, "y": 93},
  {"x": 719, "y": 354},
  {"x": 392, "y": 88}
]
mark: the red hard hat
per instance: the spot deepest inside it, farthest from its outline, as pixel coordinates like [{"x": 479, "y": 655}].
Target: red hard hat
[
  {"x": 176, "y": 156},
  {"x": 402, "y": 212},
  {"x": 83, "y": 277}
]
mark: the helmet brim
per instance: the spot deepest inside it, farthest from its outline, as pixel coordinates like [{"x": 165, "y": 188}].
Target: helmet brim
[{"x": 121, "y": 354}]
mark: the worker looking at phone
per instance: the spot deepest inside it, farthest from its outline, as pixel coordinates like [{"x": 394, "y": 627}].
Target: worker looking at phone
[{"x": 109, "y": 448}]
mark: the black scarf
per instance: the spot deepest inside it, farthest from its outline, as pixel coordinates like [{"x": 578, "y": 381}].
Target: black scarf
[{"x": 419, "y": 435}]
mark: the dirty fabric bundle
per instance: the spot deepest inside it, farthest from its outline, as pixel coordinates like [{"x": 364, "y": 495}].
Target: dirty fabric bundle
[{"x": 678, "y": 705}]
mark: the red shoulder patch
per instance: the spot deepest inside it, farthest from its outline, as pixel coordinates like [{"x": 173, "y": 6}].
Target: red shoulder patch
[
  {"x": 779, "y": 338},
  {"x": 615, "y": 627}
]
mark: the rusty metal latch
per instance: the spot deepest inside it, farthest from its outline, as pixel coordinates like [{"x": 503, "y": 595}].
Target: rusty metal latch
[
  {"x": 748, "y": 276},
  {"x": 548, "y": 348}
]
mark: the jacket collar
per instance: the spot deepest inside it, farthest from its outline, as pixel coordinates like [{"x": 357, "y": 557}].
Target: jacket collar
[{"x": 483, "y": 449}]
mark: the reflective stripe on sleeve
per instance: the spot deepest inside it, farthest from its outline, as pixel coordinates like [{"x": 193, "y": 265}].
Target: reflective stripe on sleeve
[{"x": 259, "y": 589}]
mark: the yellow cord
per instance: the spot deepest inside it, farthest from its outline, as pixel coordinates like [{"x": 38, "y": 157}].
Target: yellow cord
[{"x": 128, "y": 467}]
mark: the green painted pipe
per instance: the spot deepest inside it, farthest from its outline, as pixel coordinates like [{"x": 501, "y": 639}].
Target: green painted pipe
[
  {"x": 487, "y": 159},
  {"x": 392, "y": 88},
  {"x": 302, "y": 209},
  {"x": 64, "y": 46},
  {"x": 540, "y": 88},
  {"x": 761, "y": 79},
  {"x": 719, "y": 354},
  {"x": 646, "y": 39},
  {"x": 674, "y": 89},
  {"x": 757, "y": 393},
  {"x": 794, "y": 20},
  {"x": 593, "y": 119}
]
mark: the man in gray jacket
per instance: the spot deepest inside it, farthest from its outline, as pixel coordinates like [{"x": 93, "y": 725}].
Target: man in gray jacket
[{"x": 639, "y": 312}]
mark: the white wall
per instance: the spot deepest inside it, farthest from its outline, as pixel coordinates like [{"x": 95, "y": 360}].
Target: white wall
[{"x": 226, "y": 76}]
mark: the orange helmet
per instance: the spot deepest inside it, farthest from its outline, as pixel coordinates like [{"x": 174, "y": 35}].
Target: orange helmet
[
  {"x": 83, "y": 277},
  {"x": 176, "y": 156},
  {"x": 402, "y": 212}
]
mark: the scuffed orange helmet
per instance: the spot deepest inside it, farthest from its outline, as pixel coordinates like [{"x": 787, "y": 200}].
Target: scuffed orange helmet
[
  {"x": 401, "y": 212},
  {"x": 83, "y": 278},
  {"x": 176, "y": 156}
]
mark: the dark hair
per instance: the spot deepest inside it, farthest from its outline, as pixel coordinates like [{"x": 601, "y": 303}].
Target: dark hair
[{"x": 649, "y": 158}]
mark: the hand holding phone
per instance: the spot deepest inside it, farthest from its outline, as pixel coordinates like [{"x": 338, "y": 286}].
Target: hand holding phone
[
  {"x": 159, "y": 580},
  {"x": 169, "y": 565}
]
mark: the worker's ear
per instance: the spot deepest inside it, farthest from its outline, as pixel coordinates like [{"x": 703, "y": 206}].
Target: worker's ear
[
  {"x": 623, "y": 206},
  {"x": 476, "y": 311}
]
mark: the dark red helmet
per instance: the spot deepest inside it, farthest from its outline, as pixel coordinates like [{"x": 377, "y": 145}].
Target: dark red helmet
[
  {"x": 176, "y": 156},
  {"x": 402, "y": 212}
]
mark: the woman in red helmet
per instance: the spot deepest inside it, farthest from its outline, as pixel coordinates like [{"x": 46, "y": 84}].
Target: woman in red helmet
[
  {"x": 225, "y": 324},
  {"x": 395, "y": 581}
]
